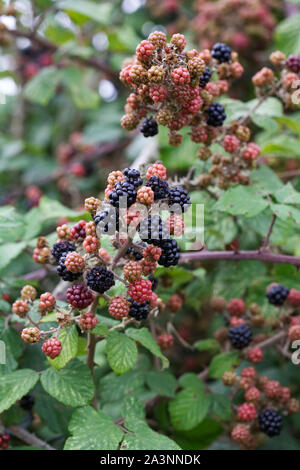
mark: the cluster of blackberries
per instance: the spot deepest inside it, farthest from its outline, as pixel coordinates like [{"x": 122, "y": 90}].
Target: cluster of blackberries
[
  {"x": 180, "y": 196},
  {"x": 270, "y": 422},
  {"x": 240, "y": 336},
  {"x": 149, "y": 128},
  {"x": 139, "y": 311},
  {"x": 277, "y": 294},
  {"x": 100, "y": 279},
  {"x": 159, "y": 187}
]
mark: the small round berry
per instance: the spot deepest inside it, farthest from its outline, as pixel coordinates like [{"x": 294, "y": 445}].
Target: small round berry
[
  {"x": 235, "y": 321},
  {"x": 91, "y": 205},
  {"x": 218, "y": 303},
  {"x": 31, "y": 335},
  {"x": 215, "y": 115},
  {"x": 229, "y": 378},
  {"x": 140, "y": 291},
  {"x": 100, "y": 279},
  {"x": 179, "y": 195},
  {"x": 252, "y": 394},
  {"x": 129, "y": 121},
  {"x": 63, "y": 232},
  {"x": 252, "y": 151},
  {"x": 293, "y": 63},
  {"x": 174, "y": 303},
  {"x": 91, "y": 244},
  {"x": 61, "y": 248},
  {"x": 240, "y": 336},
  {"x": 75, "y": 262},
  {"x": 165, "y": 341},
  {"x": 20, "y": 307},
  {"x": 277, "y": 58},
  {"x": 221, "y": 52},
  {"x": 152, "y": 252},
  {"x": 249, "y": 373},
  {"x": 175, "y": 223},
  {"x": 157, "y": 169},
  {"x": 277, "y": 294},
  {"x": 132, "y": 271},
  {"x": 52, "y": 348},
  {"x": 145, "y": 195},
  {"x": 236, "y": 307},
  {"x": 293, "y": 298},
  {"x": 41, "y": 255},
  {"x": 149, "y": 128},
  {"x": 80, "y": 296},
  {"x": 284, "y": 394},
  {"x": 145, "y": 50},
  {"x": 88, "y": 321},
  {"x": 272, "y": 389},
  {"x": 246, "y": 412},
  {"x": 240, "y": 434},
  {"x": 164, "y": 116},
  {"x": 270, "y": 422},
  {"x": 148, "y": 266},
  {"x": 104, "y": 254},
  {"x": 294, "y": 333},
  {"x": 179, "y": 41},
  {"x": 157, "y": 38},
  {"x": 46, "y": 303},
  {"x": 139, "y": 311},
  {"x": 265, "y": 76},
  {"x": 231, "y": 143},
  {"x": 158, "y": 93},
  {"x": 255, "y": 355},
  {"x": 181, "y": 76},
  {"x": 119, "y": 307},
  {"x": 78, "y": 231},
  {"x": 91, "y": 229},
  {"x": 156, "y": 74}
]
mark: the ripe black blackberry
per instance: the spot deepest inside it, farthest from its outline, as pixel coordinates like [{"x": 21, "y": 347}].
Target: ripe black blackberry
[
  {"x": 27, "y": 402},
  {"x": 107, "y": 220},
  {"x": 179, "y": 195},
  {"x": 62, "y": 247},
  {"x": 123, "y": 189},
  {"x": 153, "y": 230},
  {"x": 154, "y": 281},
  {"x": 170, "y": 253},
  {"x": 215, "y": 115},
  {"x": 63, "y": 272},
  {"x": 270, "y": 422},
  {"x": 204, "y": 79},
  {"x": 99, "y": 279},
  {"x": 133, "y": 177},
  {"x": 139, "y": 311},
  {"x": 149, "y": 128},
  {"x": 240, "y": 336},
  {"x": 221, "y": 52},
  {"x": 159, "y": 187},
  {"x": 277, "y": 294}
]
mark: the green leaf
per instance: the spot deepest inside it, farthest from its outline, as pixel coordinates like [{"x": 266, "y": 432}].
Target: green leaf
[
  {"x": 191, "y": 381},
  {"x": 284, "y": 211},
  {"x": 188, "y": 408},
  {"x": 10, "y": 251},
  {"x": 144, "y": 438},
  {"x": 51, "y": 209},
  {"x": 221, "y": 406},
  {"x": 72, "y": 385},
  {"x": 287, "y": 195},
  {"x": 83, "y": 97},
  {"x": 144, "y": 337},
  {"x": 133, "y": 408},
  {"x": 92, "y": 430},
  {"x": 122, "y": 353},
  {"x": 88, "y": 9},
  {"x": 15, "y": 385},
  {"x": 162, "y": 383},
  {"x": 11, "y": 224},
  {"x": 222, "y": 363},
  {"x": 69, "y": 341},
  {"x": 199, "y": 437},
  {"x": 287, "y": 35},
  {"x": 41, "y": 88},
  {"x": 207, "y": 344},
  {"x": 241, "y": 200},
  {"x": 100, "y": 330},
  {"x": 283, "y": 146}
]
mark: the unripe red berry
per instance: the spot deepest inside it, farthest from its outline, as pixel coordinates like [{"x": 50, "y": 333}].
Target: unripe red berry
[
  {"x": 174, "y": 303},
  {"x": 252, "y": 394},
  {"x": 46, "y": 303},
  {"x": 148, "y": 266},
  {"x": 231, "y": 143},
  {"x": 157, "y": 169},
  {"x": 132, "y": 271},
  {"x": 272, "y": 389},
  {"x": 157, "y": 38},
  {"x": 52, "y": 348},
  {"x": 252, "y": 151},
  {"x": 255, "y": 355},
  {"x": 118, "y": 307},
  {"x": 88, "y": 321},
  {"x": 246, "y": 412},
  {"x": 158, "y": 93},
  {"x": 75, "y": 262},
  {"x": 165, "y": 341},
  {"x": 181, "y": 76},
  {"x": 104, "y": 254},
  {"x": 80, "y": 296},
  {"x": 144, "y": 50},
  {"x": 152, "y": 252},
  {"x": 240, "y": 434},
  {"x": 179, "y": 41},
  {"x": 140, "y": 291},
  {"x": 284, "y": 394},
  {"x": 145, "y": 195},
  {"x": 249, "y": 372},
  {"x": 20, "y": 307},
  {"x": 91, "y": 244},
  {"x": 294, "y": 333},
  {"x": 236, "y": 307},
  {"x": 293, "y": 298},
  {"x": 78, "y": 231}
]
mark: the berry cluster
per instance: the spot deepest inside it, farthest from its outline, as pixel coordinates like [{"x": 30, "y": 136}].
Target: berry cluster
[
  {"x": 32, "y": 60},
  {"x": 171, "y": 87},
  {"x": 265, "y": 403}
]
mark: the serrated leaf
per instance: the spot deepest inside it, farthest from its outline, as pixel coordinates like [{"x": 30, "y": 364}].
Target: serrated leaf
[
  {"x": 221, "y": 406},
  {"x": 144, "y": 337},
  {"x": 15, "y": 385},
  {"x": 188, "y": 408},
  {"x": 284, "y": 211},
  {"x": 132, "y": 407},
  {"x": 11, "y": 224},
  {"x": 41, "y": 88},
  {"x": 72, "y": 385},
  {"x": 69, "y": 341},
  {"x": 10, "y": 251},
  {"x": 287, "y": 35},
  {"x": 222, "y": 363},
  {"x": 144, "y": 438},
  {"x": 287, "y": 195},
  {"x": 122, "y": 353},
  {"x": 92, "y": 430},
  {"x": 51, "y": 209},
  {"x": 100, "y": 330},
  {"x": 241, "y": 200},
  {"x": 163, "y": 383},
  {"x": 191, "y": 381}
]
